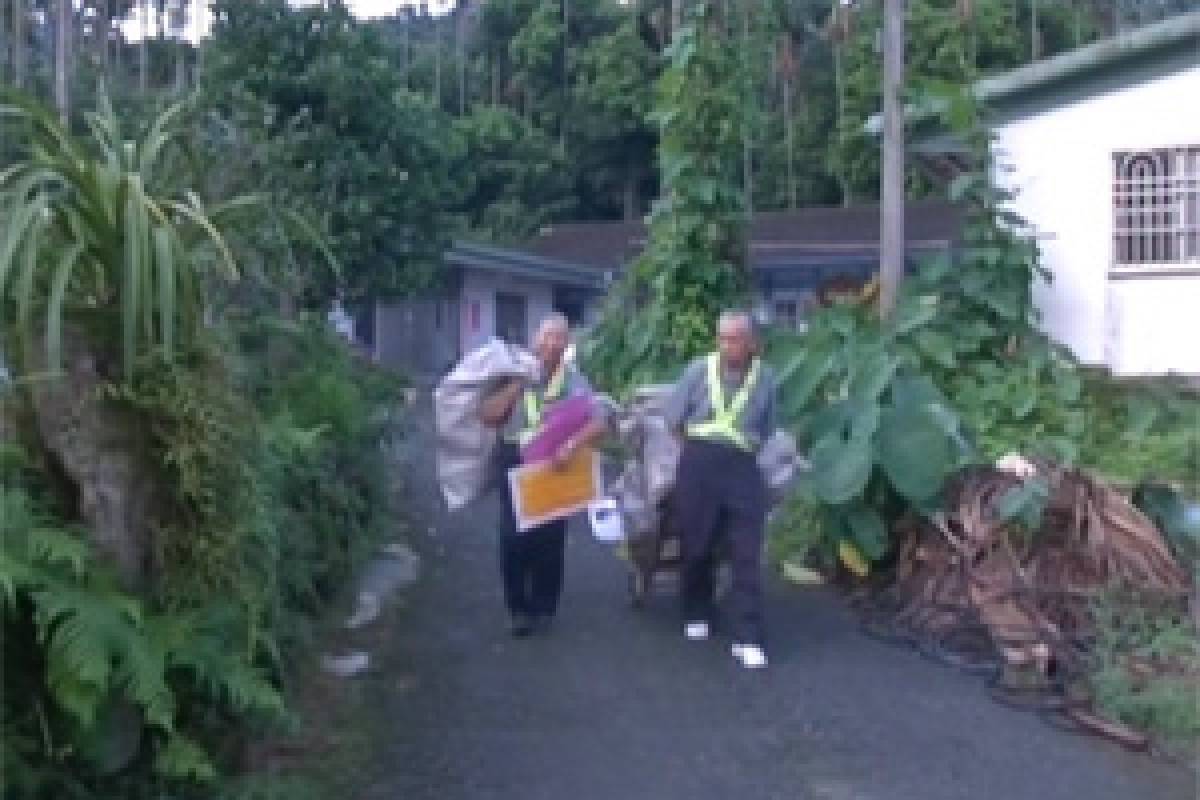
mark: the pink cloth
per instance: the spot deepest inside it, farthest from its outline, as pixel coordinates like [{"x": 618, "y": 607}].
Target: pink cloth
[{"x": 560, "y": 422}]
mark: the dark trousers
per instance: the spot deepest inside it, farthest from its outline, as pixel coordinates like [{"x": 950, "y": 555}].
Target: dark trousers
[
  {"x": 720, "y": 491},
  {"x": 531, "y": 563}
]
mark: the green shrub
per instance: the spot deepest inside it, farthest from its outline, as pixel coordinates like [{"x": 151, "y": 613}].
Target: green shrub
[{"x": 1147, "y": 670}]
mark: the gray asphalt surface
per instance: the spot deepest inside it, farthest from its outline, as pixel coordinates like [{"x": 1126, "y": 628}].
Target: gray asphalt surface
[{"x": 614, "y": 705}]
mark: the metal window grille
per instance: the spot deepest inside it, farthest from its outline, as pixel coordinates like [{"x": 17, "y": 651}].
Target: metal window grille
[{"x": 1156, "y": 207}]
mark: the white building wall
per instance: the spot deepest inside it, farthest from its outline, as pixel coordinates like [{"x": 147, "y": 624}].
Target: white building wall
[
  {"x": 477, "y": 314},
  {"x": 1063, "y": 170}
]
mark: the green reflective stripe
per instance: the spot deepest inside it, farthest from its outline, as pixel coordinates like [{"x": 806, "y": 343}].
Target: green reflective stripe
[
  {"x": 534, "y": 404},
  {"x": 533, "y": 410},
  {"x": 723, "y": 425}
]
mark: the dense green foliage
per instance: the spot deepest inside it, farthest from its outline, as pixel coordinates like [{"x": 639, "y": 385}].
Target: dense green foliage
[
  {"x": 274, "y": 488},
  {"x": 578, "y": 73},
  {"x": 370, "y": 155},
  {"x": 694, "y": 265},
  {"x": 263, "y": 442},
  {"x": 960, "y": 374}
]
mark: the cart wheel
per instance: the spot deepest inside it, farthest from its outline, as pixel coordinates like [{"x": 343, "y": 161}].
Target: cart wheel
[{"x": 638, "y": 585}]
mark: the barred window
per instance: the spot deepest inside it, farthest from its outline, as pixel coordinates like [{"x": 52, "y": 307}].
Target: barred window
[{"x": 1156, "y": 206}]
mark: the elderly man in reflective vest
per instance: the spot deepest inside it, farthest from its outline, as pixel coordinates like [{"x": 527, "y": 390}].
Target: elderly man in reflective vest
[
  {"x": 531, "y": 562},
  {"x": 724, "y": 408}
]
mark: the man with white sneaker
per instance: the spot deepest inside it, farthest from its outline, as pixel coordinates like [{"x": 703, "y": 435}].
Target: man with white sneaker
[
  {"x": 532, "y": 562},
  {"x": 724, "y": 408}
]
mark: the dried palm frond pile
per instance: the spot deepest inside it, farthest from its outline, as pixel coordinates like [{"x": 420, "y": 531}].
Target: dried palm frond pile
[{"x": 1007, "y": 579}]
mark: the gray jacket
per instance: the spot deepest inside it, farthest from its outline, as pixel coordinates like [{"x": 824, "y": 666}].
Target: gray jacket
[{"x": 690, "y": 401}]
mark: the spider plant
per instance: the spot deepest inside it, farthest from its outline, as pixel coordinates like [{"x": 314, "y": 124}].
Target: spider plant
[{"x": 85, "y": 225}]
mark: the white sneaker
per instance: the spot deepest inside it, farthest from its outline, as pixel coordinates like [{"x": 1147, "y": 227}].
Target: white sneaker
[
  {"x": 750, "y": 656},
  {"x": 696, "y": 631}
]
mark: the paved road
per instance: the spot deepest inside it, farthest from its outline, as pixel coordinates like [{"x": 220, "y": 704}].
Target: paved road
[{"x": 615, "y": 705}]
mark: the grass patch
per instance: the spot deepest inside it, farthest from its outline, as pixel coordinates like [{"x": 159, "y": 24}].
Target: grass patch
[{"x": 1147, "y": 668}]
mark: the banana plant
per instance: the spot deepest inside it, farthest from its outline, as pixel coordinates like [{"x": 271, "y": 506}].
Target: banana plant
[{"x": 85, "y": 226}]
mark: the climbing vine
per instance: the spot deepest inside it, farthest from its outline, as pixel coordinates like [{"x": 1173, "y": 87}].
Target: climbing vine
[{"x": 694, "y": 264}]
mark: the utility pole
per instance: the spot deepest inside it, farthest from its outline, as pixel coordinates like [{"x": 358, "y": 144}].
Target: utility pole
[
  {"x": 891, "y": 238},
  {"x": 1035, "y": 36}
]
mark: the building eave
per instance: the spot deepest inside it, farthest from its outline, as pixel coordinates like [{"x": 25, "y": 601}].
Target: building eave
[
  {"x": 490, "y": 258},
  {"x": 1177, "y": 37}
]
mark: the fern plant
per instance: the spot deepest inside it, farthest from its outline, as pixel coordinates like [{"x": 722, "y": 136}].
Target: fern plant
[
  {"x": 86, "y": 647},
  {"x": 88, "y": 227}
]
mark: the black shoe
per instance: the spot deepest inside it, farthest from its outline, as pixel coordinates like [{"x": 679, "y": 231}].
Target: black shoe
[{"x": 522, "y": 625}]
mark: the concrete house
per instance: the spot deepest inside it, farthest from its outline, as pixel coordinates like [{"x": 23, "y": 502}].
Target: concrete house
[
  {"x": 485, "y": 292},
  {"x": 1102, "y": 146},
  {"x": 796, "y": 258}
]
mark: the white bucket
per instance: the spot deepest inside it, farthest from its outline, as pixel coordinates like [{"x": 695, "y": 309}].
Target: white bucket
[{"x": 608, "y": 525}]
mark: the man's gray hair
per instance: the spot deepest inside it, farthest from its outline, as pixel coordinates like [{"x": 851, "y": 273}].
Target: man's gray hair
[
  {"x": 738, "y": 315},
  {"x": 555, "y": 319}
]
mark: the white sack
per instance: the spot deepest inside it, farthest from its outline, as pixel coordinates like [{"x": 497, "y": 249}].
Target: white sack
[{"x": 464, "y": 443}]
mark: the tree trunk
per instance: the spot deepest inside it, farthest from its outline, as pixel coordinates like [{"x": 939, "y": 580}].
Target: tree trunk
[
  {"x": 20, "y": 43},
  {"x": 494, "y": 69},
  {"x": 630, "y": 195},
  {"x": 566, "y": 76},
  {"x": 5, "y": 46},
  {"x": 119, "y": 56},
  {"x": 437, "y": 63},
  {"x": 408, "y": 23},
  {"x": 839, "y": 80},
  {"x": 676, "y": 19},
  {"x": 789, "y": 141},
  {"x": 179, "y": 27},
  {"x": 98, "y": 447},
  {"x": 143, "y": 45},
  {"x": 891, "y": 249},
  {"x": 62, "y": 46},
  {"x": 460, "y": 45},
  {"x": 748, "y": 83},
  {"x": 181, "y": 82},
  {"x": 103, "y": 30}
]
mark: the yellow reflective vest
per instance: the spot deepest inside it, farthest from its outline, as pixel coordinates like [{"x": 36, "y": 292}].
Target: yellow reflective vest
[{"x": 723, "y": 424}]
